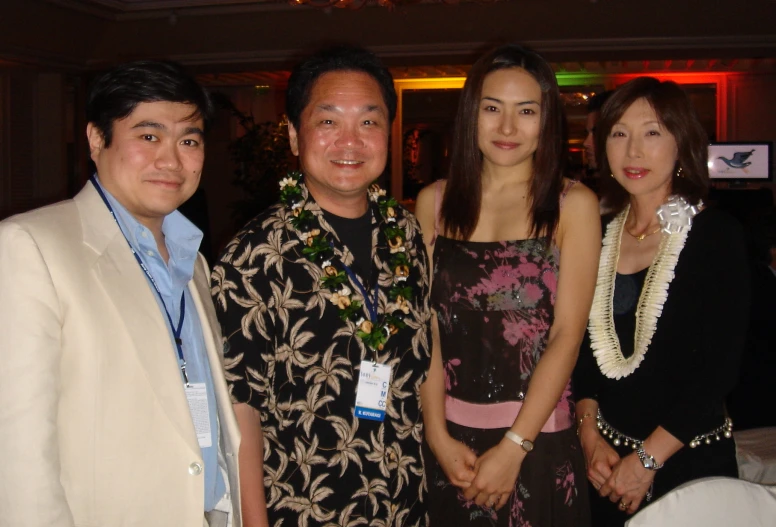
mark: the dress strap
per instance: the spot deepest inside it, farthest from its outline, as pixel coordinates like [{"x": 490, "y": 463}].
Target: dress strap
[
  {"x": 437, "y": 208},
  {"x": 566, "y": 189}
]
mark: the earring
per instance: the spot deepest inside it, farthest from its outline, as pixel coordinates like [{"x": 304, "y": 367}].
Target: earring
[
  {"x": 612, "y": 175},
  {"x": 679, "y": 172}
]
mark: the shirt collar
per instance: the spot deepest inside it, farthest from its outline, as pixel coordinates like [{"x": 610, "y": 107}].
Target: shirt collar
[{"x": 182, "y": 237}]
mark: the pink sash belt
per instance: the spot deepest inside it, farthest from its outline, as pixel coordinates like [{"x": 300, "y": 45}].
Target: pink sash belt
[{"x": 498, "y": 415}]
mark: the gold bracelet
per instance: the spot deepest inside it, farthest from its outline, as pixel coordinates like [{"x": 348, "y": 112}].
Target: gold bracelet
[{"x": 582, "y": 420}]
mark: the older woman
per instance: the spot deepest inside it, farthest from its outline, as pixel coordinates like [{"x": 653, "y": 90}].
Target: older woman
[
  {"x": 668, "y": 320},
  {"x": 514, "y": 274}
]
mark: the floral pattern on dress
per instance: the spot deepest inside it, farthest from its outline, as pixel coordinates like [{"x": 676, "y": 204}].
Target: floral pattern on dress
[
  {"x": 290, "y": 356},
  {"x": 495, "y": 305}
]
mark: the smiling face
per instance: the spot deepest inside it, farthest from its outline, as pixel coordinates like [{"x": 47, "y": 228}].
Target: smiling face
[
  {"x": 509, "y": 119},
  {"x": 642, "y": 154},
  {"x": 342, "y": 141},
  {"x": 154, "y": 161}
]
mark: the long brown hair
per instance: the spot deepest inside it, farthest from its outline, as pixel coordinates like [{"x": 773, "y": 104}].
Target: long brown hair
[
  {"x": 463, "y": 194},
  {"x": 676, "y": 113}
]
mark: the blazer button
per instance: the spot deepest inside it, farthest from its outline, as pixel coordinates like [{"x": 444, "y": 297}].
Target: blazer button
[{"x": 195, "y": 469}]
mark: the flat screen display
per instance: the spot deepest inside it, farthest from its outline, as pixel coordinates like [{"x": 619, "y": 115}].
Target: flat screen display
[{"x": 741, "y": 161}]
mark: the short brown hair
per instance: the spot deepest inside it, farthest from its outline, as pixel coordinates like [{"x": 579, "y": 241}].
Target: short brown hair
[{"x": 676, "y": 113}]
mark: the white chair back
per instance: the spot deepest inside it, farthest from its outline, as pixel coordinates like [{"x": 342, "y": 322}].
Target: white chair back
[{"x": 712, "y": 502}]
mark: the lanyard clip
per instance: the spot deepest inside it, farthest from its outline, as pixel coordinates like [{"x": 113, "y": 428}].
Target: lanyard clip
[{"x": 185, "y": 376}]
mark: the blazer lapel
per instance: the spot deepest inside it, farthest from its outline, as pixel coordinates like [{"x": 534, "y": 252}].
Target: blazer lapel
[
  {"x": 127, "y": 288},
  {"x": 200, "y": 292}
]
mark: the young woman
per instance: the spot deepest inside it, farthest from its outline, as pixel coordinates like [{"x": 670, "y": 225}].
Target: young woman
[
  {"x": 669, "y": 317},
  {"x": 515, "y": 250}
]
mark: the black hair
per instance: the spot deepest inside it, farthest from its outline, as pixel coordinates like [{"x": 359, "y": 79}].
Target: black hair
[
  {"x": 339, "y": 58},
  {"x": 460, "y": 209},
  {"x": 115, "y": 94},
  {"x": 596, "y": 102}
]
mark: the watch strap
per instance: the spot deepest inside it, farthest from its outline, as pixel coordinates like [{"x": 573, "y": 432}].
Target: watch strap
[
  {"x": 516, "y": 439},
  {"x": 647, "y": 461}
]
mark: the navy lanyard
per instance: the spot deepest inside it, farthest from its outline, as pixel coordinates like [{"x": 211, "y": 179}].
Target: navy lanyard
[
  {"x": 176, "y": 332},
  {"x": 371, "y": 304}
]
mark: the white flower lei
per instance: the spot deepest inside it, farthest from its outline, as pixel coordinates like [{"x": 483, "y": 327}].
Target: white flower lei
[{"x": 676, "y": 217}]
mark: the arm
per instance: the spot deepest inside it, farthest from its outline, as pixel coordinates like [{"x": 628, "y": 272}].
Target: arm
[
  {"x": 30, "y": 356},
  {"x": 455, "y": 458},
  {"x": 579, "y": 240},
  {"x": 717, "y": 261},
  {"x": 254, "y": 504},
  {"x": 599, "y": 456},
  {"x": 719, "y": 267}
]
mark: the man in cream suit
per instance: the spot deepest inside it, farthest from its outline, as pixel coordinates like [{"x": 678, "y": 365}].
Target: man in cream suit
[{"x": 113, "y": 405}]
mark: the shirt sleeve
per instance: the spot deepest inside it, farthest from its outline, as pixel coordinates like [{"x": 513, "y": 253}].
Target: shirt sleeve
[
  {"x": 30, "y": 381},
  {"x": 587, "y": 376},
  {"x": 241, "y": 292},
  {"x": 424, "y": 302},
  {"x": 719, "y": 262}
]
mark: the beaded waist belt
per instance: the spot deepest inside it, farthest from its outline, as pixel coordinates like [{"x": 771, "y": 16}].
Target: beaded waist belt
[{"x": 618, "y": 438}]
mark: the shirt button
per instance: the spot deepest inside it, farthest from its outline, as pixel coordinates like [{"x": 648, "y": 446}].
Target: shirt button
[
  {"x": 150, "y": 253},
  {"x": 195, "y": 469},
  {"x": 144, "y": 234}
]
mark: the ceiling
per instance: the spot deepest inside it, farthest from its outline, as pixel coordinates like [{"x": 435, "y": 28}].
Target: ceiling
[
  {"x": 254, "y": 38},
  {"x": 138, "y": 9},
  {"x": 118, "y": 7}
]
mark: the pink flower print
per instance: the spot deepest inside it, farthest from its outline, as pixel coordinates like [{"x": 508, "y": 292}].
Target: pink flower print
[
  {"x": 531, "y": 294},
  {"x": 516, "y": 513},
  {"x": 528, "y": 270},
  {"x": 503, "y": 278},
  {"x": 512, "y": 331},
  {"x": 450, "y": 378},
  {"x": 551, "y": 281},
  {"x": 564, "y": 405},
  {"x": 564, "y": 481},
  {"x": 508, "y": 251}
]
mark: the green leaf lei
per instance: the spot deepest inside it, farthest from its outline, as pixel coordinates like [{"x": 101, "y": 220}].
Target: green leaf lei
[{"x": 319, "y": 250}]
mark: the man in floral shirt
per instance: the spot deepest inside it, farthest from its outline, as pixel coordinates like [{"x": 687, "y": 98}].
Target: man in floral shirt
[{"x": 323, "y": 301}]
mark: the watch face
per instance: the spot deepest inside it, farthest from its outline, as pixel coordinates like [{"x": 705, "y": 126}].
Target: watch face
[
  {"x": 527, "y": 445},
  {"x": 648, "y": 463}
]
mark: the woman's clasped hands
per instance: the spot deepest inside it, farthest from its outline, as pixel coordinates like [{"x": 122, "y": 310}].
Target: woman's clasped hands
[
  {"x": 488, "y": 480},
  {"x": 624, "y": 480}
]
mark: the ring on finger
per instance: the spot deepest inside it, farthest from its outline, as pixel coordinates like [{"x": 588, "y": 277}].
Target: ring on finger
[{"x": 623, "y": 506}]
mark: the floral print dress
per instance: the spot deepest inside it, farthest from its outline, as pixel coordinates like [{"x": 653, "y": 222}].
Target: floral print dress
[{"x": 494, "y": 303}]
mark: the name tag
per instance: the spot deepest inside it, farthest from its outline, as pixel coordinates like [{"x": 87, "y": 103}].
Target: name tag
[
  {"x": 196, "y": 395},
  {"x": 372, "y": 394}
]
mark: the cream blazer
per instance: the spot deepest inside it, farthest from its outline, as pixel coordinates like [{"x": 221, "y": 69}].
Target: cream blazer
[{"x": 95, "y": 430}]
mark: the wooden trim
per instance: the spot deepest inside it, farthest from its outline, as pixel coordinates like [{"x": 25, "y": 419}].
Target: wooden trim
[{"x": 438, "y": 83}]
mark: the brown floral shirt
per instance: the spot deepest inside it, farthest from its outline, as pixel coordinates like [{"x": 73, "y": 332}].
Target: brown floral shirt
[{"x": 290, "y": 356}]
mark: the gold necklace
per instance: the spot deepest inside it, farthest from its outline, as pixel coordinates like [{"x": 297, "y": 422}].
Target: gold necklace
[{"x": 640, "y": 238}]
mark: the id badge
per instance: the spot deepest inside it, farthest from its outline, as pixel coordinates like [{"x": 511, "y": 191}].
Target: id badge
[
  {"x": 374, "y": 382},
  {"x": 196, "y": 395}
]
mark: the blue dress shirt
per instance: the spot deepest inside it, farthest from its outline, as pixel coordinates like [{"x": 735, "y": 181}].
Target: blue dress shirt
[{"x": 182, "y": 239}]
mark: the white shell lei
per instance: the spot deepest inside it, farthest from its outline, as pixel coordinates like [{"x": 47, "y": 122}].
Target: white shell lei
[{"x": 676, "y": 217}]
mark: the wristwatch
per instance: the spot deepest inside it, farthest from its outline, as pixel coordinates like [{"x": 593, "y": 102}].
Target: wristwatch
[
  {"x": 649, "y": 462},
  {"x": 525, "y": 444}
]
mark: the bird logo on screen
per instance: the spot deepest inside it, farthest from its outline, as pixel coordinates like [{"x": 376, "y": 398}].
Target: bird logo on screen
[{"x": 739, "y": 160}]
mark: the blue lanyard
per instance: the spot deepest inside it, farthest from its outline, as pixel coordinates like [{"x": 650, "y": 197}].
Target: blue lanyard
[
  {"x": 371, "y": 304},
  {"x": 176, "y": 332}
]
